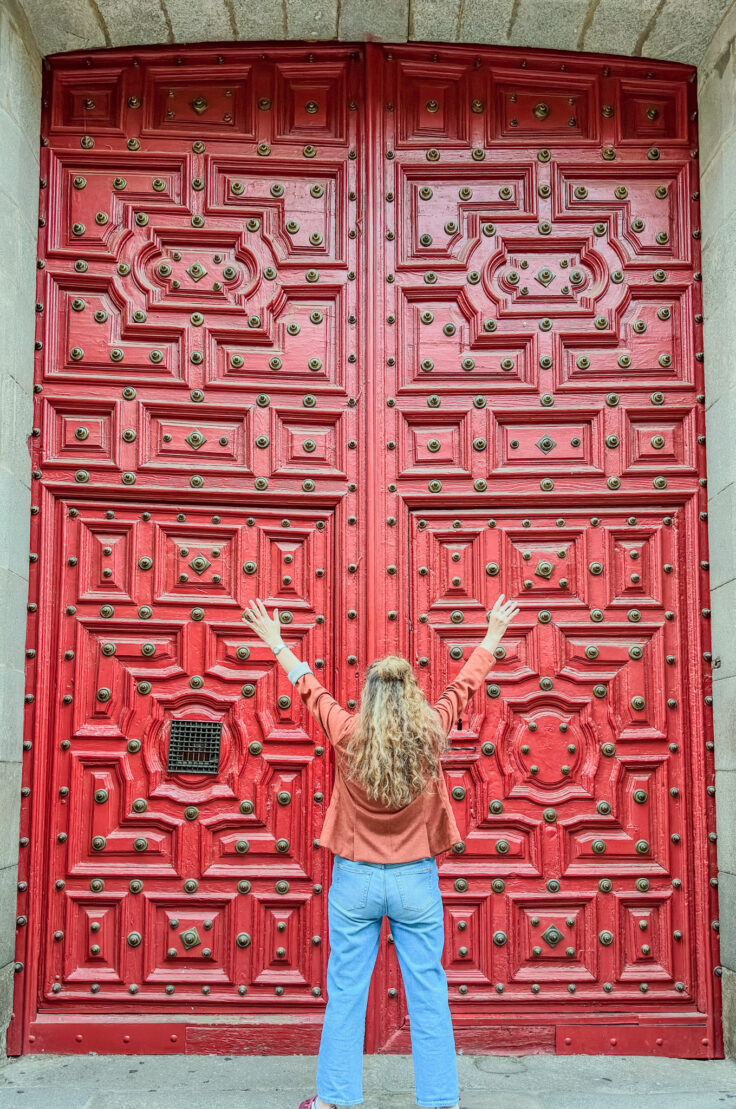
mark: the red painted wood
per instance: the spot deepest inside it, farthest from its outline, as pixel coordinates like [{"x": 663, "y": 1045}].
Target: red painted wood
[
  {"x": 673, "y": 1041},
  {"x": 411, "y": 350}
]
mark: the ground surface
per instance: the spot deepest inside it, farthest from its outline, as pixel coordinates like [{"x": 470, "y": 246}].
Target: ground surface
[{"x": 281, "y": 1082}]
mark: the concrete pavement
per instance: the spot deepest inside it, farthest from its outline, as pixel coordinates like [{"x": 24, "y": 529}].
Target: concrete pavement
[{"x": 280, "y": 1082}]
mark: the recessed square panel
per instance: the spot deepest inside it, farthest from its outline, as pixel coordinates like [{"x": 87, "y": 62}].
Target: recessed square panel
[
  {"x": 88, "y": 102},
  {"x": 309, "y": 442},
  {"x": 215, "y": 438},
  {"x": 91, "y": 949},
  {"x": 651, "y": 111},
  {"x": 661, "y": 443},
  {"x": 199, "y": 97},
  {"x": 546, "y": 564},
  {"x": 431, "y": 99},
  {"x": 80, "y": 433},
  {"x": 196, "y": 562},
  {"x": 190, "y": 940},
  {"x": 552, "y": 940},
  {"x": 538, "y": 104},
  {"x": 636, "y": 566},
  {"x": 104, "y": 568},
  {"x": 311, "y": 101},
  {"x": 434, "y": 443},
  {"x": 644, "y": 950},
  {"x": 541, "y": 444}
]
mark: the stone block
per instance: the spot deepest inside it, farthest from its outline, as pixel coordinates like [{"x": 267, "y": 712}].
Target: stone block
[
  {"x": 20, "y": 65},
  {"x": 719, "y": 281},
  {"x": 13, "y": 613},
  {"x": 8, "y": 912},
  {"x": 266, "y": 20},
  {"x": 14, "y": 535},
  {"x": 17, "y": 331},
  {"x": 727, "y": 918},
  {"x": 215, "y": 24},
  {"x": 10, "y": 780},
  {"x": 716, "y": 105},
  {"x": 717, "y": 194},
  {"x": 724, "y": 29},
  {"x": 617, "y": 26},
  {"x": 719, "y": 348},
  {"x": 12, "y": 712},
  {"x": 722, "y": 536},
  {"x": 485, "y": 21},
  {"x": 7, "y": 984},
  {"x": 724, "y": 723},
  {"x": 723, "y": 614},
  {"x": 17, "y": 298},
  {"x": 556, "y": 25},
  {"x": 19, "y": 166},
  {"x": 682, "y": 30},
  {"x": 726, "y": 823},
  {"x": 16, "y": 413},
  {"x": 309, "y": 21},
  {"x": 720, "y": 418},
  {"x": 728, "y": 995},
  {"x": 434, "y": 21},
  {"x": 130, "y": 23},
  {"x": 385, "y": 22},
  {"x": 74, "y": 26}
]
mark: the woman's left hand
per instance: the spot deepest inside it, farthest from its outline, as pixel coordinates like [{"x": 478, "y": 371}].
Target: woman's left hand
[{"x": 267, "y": 630}]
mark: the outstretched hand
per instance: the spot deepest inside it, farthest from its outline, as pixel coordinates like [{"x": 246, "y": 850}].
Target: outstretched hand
[
  {"x": 501, "y": 616},
  {"x": 269, "y": 630}
]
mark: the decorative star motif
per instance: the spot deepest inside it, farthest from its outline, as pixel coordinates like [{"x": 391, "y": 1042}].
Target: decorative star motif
[
  {"x": 552, "y": 935},
  {"x": 195, "y": 439},
  {"x": 544, "y": 277},
  {"x": 199, "y": 564}
]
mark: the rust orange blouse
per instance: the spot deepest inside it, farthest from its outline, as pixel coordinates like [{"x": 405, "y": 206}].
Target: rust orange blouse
[{"x": 360, "y": 828}]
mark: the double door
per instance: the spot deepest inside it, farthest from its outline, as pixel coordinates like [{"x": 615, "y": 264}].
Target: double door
[{"x": 374, "y": 333}]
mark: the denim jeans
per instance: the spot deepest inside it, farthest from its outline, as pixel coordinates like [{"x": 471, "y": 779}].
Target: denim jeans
[{"x": 359, "y": 896}]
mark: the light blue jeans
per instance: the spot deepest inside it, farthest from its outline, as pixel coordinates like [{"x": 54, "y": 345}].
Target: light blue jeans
[{"x": 359, "y": 896}]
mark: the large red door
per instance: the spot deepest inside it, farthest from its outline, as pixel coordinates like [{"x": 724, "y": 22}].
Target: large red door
[{"x": 374, "y": 333}]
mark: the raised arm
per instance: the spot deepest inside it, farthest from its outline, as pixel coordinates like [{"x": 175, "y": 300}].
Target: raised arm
[
  {"x": 329, "y": 713},
  {"x": 457, "y": 694}
]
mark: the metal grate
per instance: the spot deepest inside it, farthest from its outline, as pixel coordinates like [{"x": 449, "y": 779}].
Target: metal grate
[{"x": 194, "y": 746}]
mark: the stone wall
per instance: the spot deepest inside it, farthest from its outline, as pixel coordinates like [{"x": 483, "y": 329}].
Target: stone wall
[
  {"x": 717, "y": 120},
  {"x": 20, "y": 110},
  {"x": 678, "y": 30}
]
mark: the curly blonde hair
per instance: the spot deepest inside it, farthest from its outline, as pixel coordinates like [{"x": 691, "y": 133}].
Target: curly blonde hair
[{"x": 394, "y": 747}]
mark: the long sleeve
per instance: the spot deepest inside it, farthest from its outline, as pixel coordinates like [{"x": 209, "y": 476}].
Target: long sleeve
[
  {"x": 457, "y": 694},
  {"x": 328, "y": 713}
]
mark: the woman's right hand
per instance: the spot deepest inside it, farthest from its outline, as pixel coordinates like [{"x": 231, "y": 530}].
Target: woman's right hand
[{"x": 501, "y": 616}]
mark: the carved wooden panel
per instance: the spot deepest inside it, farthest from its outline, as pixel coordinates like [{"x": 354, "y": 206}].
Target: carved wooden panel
[
  {"x": 543, "y": 393},
  {"x": 374, "y": 333}
]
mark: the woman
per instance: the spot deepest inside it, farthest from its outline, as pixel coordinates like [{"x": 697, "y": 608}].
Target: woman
[{"x": 388, "y": 818}]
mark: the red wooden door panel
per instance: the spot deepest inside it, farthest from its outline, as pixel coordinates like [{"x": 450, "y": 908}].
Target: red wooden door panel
[
  {"x": 197, "y": 375},
  {"x": 372, "y": 333},
  {"x": 542, "y": 422}
]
